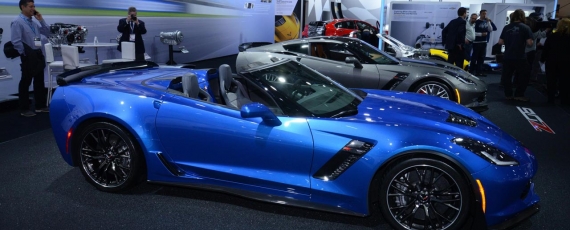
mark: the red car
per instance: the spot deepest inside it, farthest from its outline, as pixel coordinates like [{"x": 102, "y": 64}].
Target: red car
[{"x": 343, "y": 27}]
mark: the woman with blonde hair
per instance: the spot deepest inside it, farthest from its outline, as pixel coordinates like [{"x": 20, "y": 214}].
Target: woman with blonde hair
[{"x": 556, "y": 56}]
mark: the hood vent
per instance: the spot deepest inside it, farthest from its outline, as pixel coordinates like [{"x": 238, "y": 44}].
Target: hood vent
[{"x": 460, "y": 119}]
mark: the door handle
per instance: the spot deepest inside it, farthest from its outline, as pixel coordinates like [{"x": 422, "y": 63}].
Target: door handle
[{"x": 157, "y": 104}]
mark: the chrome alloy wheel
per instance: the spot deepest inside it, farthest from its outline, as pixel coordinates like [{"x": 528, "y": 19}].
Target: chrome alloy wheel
[
  {"x": 434, "y": 89},
  {"x": 106, "y": 158},
  {"x": 424, "y": 197}
]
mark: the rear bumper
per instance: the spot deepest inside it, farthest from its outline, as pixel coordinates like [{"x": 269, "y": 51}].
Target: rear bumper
[{"x": 525, "y": 214}]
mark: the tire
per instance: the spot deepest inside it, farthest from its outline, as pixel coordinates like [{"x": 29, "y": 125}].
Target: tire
[
  {"x": 434, "y": 88},
  {"x": 418, "y": 186},
  {"x": 109, "y": 157}
]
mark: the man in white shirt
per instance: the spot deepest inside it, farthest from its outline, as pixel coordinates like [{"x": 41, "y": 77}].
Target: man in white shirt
[
  {"x": 483, "y": 28},
  {"x": 469, "y": 36}
]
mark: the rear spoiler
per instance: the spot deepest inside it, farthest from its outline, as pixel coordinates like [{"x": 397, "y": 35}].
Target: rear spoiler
[
  {"x": 247, "y": 45},
  {"x": 80, "y": 73}
]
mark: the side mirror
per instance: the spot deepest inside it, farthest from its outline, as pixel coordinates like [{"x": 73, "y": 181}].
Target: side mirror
[
  {"x": 354, "y": 61},
  {"x": 242, "y": 47},
  {"x": 255, "y": 109}
]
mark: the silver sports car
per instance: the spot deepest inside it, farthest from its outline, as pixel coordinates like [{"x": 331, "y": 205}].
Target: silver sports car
[{"x": 357, "y": 64}]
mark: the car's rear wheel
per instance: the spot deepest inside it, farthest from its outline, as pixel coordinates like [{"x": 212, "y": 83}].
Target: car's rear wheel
[
  {"x": 109, "y": 158},
  {"x": 422, "y": 193},
  {"x": 434, "y": 88}
]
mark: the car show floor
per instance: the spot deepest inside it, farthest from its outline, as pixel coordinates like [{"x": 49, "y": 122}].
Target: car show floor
[{"x": 38, "y": 190}]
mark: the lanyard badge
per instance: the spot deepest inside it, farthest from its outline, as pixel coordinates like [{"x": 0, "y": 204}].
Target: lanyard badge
[
  {"x": 37, "y": 42},
  {"x": 132, "y": 37}
]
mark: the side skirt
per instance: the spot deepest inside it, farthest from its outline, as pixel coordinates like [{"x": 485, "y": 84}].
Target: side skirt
[{"x": 264, "y": 197}]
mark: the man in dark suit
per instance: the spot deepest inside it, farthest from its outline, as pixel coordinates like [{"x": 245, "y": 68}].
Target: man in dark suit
[
  {"x": 132, "y": 29},
  {"x": 453, "y": 36}
]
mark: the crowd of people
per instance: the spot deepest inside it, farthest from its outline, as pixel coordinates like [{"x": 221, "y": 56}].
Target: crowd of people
[
  {"x": 527, "y": 48},
  {"x": 26, "y": 37}
]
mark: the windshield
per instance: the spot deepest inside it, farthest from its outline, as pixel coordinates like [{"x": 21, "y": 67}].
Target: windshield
[
  {"x": 367, "y": 50},
  {"x": 306, "y": 88}
]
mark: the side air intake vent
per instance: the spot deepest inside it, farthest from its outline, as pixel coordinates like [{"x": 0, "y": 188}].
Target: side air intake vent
[{"x": 345, "y": 158}]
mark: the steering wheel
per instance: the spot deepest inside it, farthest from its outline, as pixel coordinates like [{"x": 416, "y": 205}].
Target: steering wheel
[
  {"x": 297, "y": 93},
  {"x": 270, "y": 77}
]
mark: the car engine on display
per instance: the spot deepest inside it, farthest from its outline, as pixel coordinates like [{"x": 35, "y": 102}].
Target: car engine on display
[
  {"x": 399, "y": 50},
  {"x": 357, "y": 64},
  {"x": 281, "y": 132},
  {"x": 63, "y": 33}
]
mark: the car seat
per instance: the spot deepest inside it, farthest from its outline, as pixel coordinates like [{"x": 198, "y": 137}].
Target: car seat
[
  {"x": 232, "y": 91},
  {"x": 191, "y": 88},
  {"x": 320, "y": 51}
]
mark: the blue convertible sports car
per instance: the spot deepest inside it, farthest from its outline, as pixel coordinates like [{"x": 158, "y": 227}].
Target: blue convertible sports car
[{"x": 283, "y": 133}]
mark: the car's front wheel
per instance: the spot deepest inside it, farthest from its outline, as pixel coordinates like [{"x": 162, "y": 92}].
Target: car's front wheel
[
  {"x": 434, "y": 88},
  {"x": 110, "y": 159},
  {"x": 422, "y": 193}
]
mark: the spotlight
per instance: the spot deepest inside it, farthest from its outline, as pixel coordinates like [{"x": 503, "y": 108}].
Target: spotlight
[{"x": 171, "y": 39}]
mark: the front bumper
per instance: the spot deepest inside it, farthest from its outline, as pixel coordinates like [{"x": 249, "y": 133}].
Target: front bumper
[
  {"x": 527, "y": 213},
  {"x": 474, "y": 99},
  {"x": 509, "y": 194}
]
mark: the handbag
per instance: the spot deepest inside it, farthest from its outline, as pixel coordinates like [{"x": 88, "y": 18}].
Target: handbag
[{"x": 10, "y": 51}]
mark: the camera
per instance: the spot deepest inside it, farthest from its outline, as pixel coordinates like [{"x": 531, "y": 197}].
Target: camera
[{"x": 133, "y": 18}]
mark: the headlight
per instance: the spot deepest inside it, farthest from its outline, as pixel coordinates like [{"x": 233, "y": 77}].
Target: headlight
[
  {"x": 461, "y": 78},
  {"x": 487, "y": 152}
]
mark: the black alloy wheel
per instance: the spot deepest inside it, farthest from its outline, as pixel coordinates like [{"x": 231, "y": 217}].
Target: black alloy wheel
[
  {"x": 422, "y": 193},
  {"x": 110, "y": 160},
  {"x": 434, "y": 88}
]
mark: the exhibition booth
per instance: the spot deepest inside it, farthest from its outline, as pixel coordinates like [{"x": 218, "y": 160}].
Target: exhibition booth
[{"x": 215, "y": 29}]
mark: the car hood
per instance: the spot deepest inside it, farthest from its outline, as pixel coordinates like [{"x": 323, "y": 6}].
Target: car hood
[
  {"x": 441, "y": 67},
  {"x": 423, "y": 111},
  {"x": 429, "y": 63}
]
